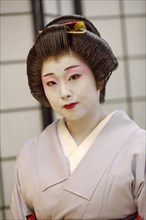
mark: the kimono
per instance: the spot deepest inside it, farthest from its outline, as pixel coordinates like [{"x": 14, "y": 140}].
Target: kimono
[{"x": 107, "y": 183}]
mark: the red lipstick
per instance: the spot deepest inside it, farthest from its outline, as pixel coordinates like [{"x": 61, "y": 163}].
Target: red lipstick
[{"x": 70, "y": 106}]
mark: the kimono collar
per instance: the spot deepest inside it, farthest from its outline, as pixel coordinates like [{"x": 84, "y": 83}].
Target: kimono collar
[
  {"x": 53, "y": 166},
  {"x": 111, "y": 141}
]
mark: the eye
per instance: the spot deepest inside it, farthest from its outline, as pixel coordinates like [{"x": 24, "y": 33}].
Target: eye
[
  {"x": 74, "y": 77},
  {"x": 51, "y": 83}
]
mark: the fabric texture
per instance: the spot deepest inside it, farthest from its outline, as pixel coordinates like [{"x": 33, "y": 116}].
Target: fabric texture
[{"x": 108, "y": 183}]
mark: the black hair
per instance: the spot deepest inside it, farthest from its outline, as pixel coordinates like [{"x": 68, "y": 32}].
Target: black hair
[{"x": 54, "y": 40}]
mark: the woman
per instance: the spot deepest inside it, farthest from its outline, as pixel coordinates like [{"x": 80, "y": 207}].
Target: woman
[{"x": 89, "y": 164}]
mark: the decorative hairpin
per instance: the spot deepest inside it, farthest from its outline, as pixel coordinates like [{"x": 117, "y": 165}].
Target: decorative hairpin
[
  {"x": 75, "y": 27},
  {"x": 40, "y": 31}
]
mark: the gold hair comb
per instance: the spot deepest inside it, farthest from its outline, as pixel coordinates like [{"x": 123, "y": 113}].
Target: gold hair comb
[{"x": 75, "y": 27}]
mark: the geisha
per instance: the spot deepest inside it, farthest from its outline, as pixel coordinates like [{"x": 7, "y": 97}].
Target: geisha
[{"x": 89, "y": 164}]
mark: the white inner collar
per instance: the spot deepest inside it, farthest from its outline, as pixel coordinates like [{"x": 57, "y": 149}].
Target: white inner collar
[{"x": 75, "y": 152}]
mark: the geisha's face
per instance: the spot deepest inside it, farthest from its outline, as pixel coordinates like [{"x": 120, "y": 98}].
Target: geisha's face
[{"x": 70, "y": 87}]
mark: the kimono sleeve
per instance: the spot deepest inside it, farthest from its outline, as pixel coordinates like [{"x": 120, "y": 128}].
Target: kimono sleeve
[
  {"x": 140, "y": 179},
  {"x": 140, "y": 200},
  {"x": 18, "y": 208}
]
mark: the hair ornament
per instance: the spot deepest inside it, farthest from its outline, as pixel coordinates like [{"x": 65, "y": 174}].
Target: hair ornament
[
  {"x": 40, "y": 31},
  {"x": 75, "y": 27}
]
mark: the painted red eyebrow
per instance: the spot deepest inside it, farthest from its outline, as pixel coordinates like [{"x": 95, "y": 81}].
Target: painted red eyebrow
[
  {"x": 70, "y": 67},
  {"x": 67, "y": 68},
  {"x": 48, "y": 74}
]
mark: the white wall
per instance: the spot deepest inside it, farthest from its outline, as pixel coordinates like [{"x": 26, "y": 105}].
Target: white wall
[
  {"x": 20, "y": 113},
  {"x": 122, "y": 24}
]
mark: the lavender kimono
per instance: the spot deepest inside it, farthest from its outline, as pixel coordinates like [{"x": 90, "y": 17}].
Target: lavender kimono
[{"x": 108, "y": 183}]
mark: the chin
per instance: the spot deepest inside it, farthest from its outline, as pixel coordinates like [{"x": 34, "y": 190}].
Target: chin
[{"x": 73, "y": 117}]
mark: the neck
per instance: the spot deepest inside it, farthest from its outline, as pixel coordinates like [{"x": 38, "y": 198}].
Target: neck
[{"x": 81, "y": 128}]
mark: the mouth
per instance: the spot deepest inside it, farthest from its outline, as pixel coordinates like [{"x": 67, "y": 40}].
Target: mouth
[{"x": 71, "y": 105}]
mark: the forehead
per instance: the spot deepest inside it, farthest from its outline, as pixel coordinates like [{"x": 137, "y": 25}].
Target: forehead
[
  {"x": 63, "y": 59},
  {"x": 62, "y": 62}
]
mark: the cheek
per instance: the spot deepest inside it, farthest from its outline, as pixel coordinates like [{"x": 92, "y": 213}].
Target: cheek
[
  {"x": 48, "y": 94},
  {"x": 52, "y": 98},
  {"x": 52, "y": 101},
  {"x": 49, "y": 97},
  {"x": 86, "y": 88}
]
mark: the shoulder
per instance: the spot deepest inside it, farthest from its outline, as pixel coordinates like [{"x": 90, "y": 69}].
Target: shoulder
[
  {"x": 135, "y": 136},
  {"x": 31, "y": 146},
  {"x": 125, "y": 122},
  {"x": 139, "y": 135}
]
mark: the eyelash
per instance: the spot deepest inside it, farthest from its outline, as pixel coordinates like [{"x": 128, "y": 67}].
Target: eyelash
[
  {"x": 51, "y": 83},
  {"x": 73, "y": 77}
]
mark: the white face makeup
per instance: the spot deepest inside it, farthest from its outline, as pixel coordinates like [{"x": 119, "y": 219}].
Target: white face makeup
[{"x": 70, "y": 87}]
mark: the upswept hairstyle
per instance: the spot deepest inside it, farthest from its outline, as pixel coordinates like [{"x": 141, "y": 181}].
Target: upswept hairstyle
[{"x": 54, "y": 40}]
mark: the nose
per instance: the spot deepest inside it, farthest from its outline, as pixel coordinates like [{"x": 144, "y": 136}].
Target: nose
[{"x": 65, "y": 91}]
